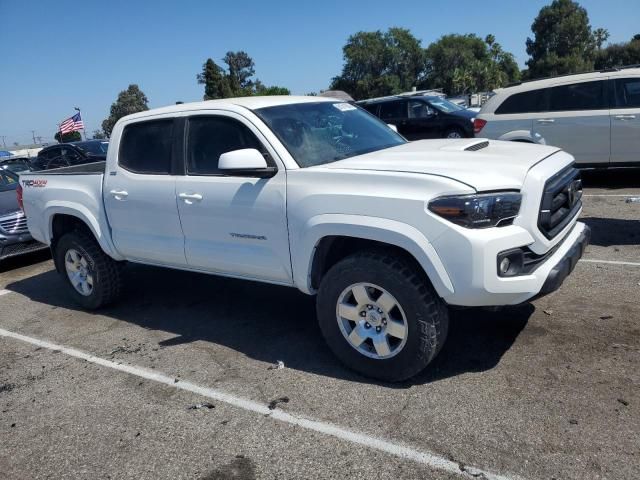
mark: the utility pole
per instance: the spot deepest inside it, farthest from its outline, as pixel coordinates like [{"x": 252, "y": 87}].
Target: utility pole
[
  {"x": 33, "y": 134},
  {"x": 3, "y": 142}
]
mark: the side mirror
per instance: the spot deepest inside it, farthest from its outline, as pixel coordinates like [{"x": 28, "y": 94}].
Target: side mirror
[
  {"x": 392, "y": 127},
  {"x": 247, "y": 162}
]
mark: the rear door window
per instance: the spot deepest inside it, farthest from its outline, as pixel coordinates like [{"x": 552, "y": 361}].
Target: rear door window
[
  {"x": 523, "y": 102},
  {"x": 578, "y": 96},
  {"x": 146, "y": 147},
  {"x": 628, "y": 93},
  {"x": 394, "y": 109}
]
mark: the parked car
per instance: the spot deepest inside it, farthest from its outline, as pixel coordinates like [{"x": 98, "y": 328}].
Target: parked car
[
  {"x": 317, "y": 194},
  {"x": 422, "y": 116},
  {"x": 15, "y": 238},
  {"x": 68, "y": 154},
  {"x": 16, "y": 164},
  {"x": 594, "y": 116}
]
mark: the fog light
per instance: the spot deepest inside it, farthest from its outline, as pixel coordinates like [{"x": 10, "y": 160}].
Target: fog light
[
  {"x": 510, "y": 263},
  {"x": 504, "y": 265}
]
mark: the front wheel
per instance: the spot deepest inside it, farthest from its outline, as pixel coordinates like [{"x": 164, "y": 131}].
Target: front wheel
[
  {"x": 380, "y": 316},
  {"x": 94, "y": 278}
]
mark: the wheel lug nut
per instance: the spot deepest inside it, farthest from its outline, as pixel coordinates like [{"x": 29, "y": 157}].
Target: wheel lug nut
[
  {"x": 367, "y": 325},
  {"x": 384, "y": 321},
  {"x": 369, "y": 307},
  {"x": 379, "y": 310},
  {"x": 378, "y": 329},
  {"x": 363, "y": 314}
]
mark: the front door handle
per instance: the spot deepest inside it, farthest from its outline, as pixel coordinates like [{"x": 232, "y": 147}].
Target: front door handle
[
  {"x": 625, "y": 117},
  {"x": 546, "y": 120},
  {"x": 189, "y": 198},
  {"x": 119, "y": 194}
]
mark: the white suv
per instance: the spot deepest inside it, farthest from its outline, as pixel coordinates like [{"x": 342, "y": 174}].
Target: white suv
[{"x": 594, "y": 116}]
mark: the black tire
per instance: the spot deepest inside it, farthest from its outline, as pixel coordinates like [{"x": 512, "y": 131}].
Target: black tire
[
  {"x": 106, "y": 272},
  {"x": 454, "y": 130},
  {"x": 426, "y": 314}
]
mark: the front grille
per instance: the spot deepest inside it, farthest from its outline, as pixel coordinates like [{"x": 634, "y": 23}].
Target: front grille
[
  {"x": 561, "y": 201},
  {"x": 15, "y": 223}
]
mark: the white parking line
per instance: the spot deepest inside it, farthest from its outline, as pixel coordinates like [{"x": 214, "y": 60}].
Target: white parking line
[
  {"x": 610, "y": 194},
  {"x": 426, "y": 458},
  {"x": 610, "y": 262},
  {"x": 4, "y": 292}
]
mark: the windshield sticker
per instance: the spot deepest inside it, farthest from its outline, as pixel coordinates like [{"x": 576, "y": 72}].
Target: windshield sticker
[{"x": 344, "y": 107}]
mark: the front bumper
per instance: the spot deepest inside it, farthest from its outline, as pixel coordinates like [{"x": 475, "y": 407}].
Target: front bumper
[
  {"x": 14, "y": 245},
  {"x": 469, "y": 257},
  {"x": 566, "y": 264}
]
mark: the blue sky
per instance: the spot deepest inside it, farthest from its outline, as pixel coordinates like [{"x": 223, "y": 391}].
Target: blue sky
[{"x": 60, "y": 54}]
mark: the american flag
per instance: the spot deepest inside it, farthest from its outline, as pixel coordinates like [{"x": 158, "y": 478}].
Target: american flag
[{"x": 72, "y": 124}]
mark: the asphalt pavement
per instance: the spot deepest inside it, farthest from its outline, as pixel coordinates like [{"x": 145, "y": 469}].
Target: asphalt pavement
[{"x": 181, "y": 378}]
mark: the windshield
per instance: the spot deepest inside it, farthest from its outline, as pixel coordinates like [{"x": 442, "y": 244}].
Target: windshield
[
  {"x": 323, "y": 132},
  {"x": 8, "y": 181},
  {"x": 444, "y": 105},
  {"x": 97, "y": 148}
]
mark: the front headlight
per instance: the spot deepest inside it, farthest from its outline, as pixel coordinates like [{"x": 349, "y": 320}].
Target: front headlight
[{"x": 478, "y": 211}]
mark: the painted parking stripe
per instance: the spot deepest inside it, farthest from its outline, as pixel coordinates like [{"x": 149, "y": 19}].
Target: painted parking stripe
[
  {"x": 610, "y": 262},
  {"x": 426, "y": 458},
  {"x": 4, "y": 292},
  {"x": 610, "y": 194}
]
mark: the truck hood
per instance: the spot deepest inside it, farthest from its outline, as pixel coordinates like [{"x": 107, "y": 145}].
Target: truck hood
[{"x": 479, "y": 163}]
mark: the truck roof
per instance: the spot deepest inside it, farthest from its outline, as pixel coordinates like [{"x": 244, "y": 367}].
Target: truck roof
[{"x": 252, "y": 103}]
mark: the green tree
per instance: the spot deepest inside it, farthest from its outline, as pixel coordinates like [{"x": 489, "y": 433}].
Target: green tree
[
  {"x": 466, "y": 63},
  {"x": 563, "y": 41},
  {"x": 236, "y": 81},
  {"x": 131, "y": 100},
  {"x": 67, "y": 137},
  {"x": 600, "y": 36},
  {"x": 99, "y": 135},
  {"x": 214, "y": 80},
  {"x": 377, "y": 63},
  {"x": 619, "y": 54}
]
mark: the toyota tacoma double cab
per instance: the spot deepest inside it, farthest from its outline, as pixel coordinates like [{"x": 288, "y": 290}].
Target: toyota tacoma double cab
[{"x": 318, "y": 194}]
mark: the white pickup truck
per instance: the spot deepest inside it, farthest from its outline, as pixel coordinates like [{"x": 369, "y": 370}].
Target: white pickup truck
[{"x": 320, "y": 195}]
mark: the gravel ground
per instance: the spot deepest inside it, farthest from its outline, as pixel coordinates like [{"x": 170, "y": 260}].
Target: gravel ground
[{"x": 539, "y": 391}]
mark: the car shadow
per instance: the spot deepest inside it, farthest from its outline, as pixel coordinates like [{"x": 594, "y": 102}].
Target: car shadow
[
  {"x": 612, "y": 179},
  {"x": 25, "y": 260},
  {"x": 270, "y": 323},
  {"x": 608, "y": 232}
]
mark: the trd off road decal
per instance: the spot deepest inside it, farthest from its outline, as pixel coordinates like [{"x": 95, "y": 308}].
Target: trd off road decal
[{"x": 34, "y": 183}]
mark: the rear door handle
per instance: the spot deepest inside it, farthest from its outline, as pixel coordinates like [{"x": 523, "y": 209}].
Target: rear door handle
[
  {"x": 189, "y": 198},
  {"x": 625, "y": 117},
  {"x": 119, "y": 194},
  {"x": 546, "y": 120}
]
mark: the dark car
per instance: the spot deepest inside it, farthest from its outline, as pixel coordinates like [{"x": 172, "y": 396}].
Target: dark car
[
  {"x": 420, "y": 116},
  {"x": 15, "y": 164},
  {"x": 14, "y": 235},
  {"x": 68, "y": 154}
]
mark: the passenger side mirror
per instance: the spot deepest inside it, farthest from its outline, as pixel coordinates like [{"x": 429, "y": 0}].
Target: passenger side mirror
[
  {"x": 392, "y": 127},
  {"x": 247, "y": 162}
]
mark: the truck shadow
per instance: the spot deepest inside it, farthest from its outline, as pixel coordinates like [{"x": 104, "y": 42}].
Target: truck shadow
[
  {"x": 611, "y": 232},
  {"x": 270, "y": 323},
  {"x": 611, "y": 179}
]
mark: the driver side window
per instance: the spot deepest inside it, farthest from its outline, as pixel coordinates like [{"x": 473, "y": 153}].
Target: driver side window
[
  {"x": 210, "y": 136},
  {"x": 418, "y": 109}
]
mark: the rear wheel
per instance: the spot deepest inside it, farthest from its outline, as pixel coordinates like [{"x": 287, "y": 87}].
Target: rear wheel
[
  {"x": 94, "y": 278},
  {"x": 454, "y": 132},
  {"x": 380, "y": 316}
]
